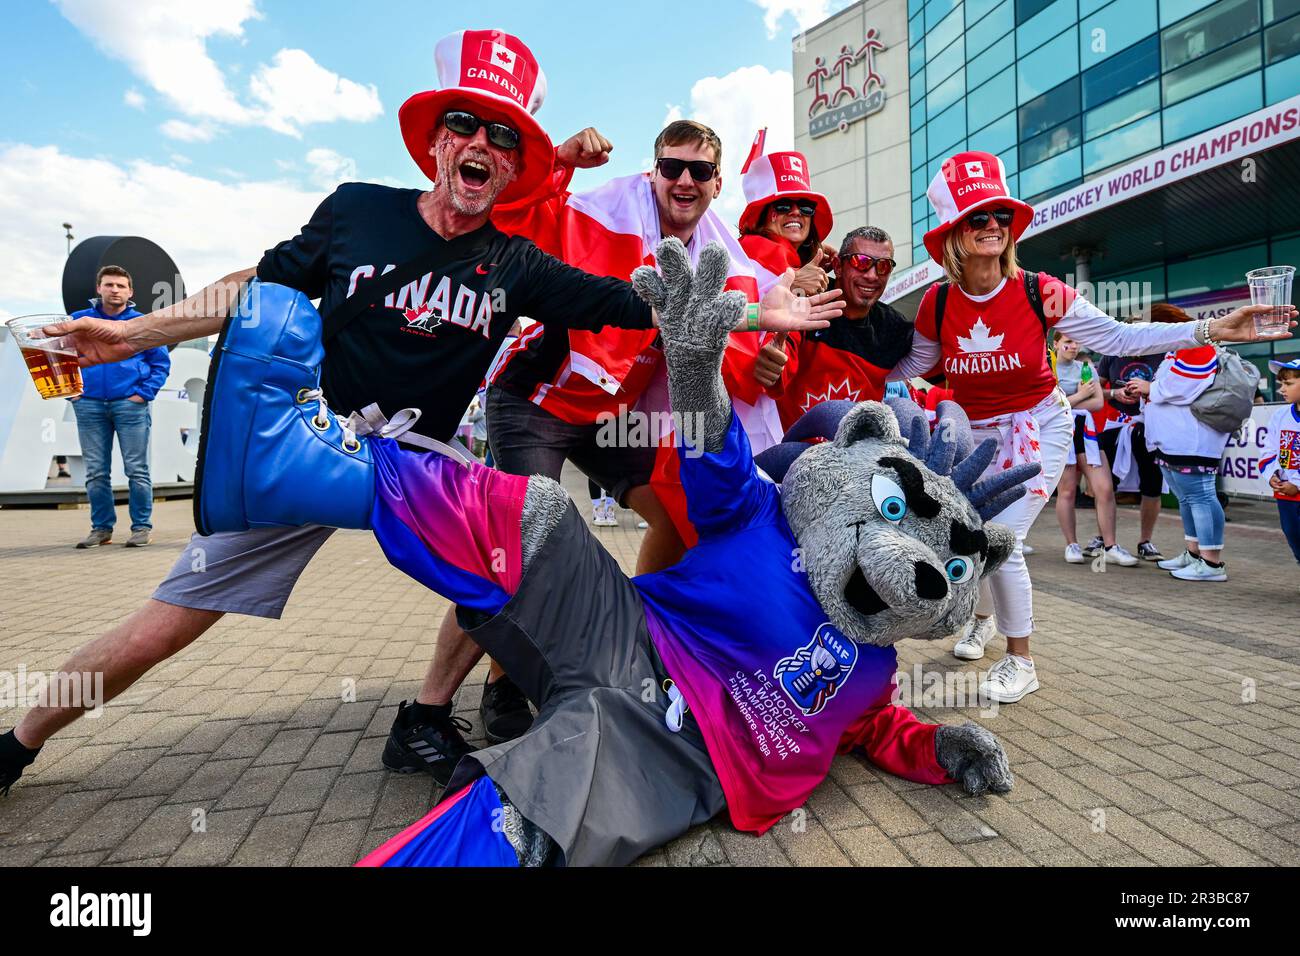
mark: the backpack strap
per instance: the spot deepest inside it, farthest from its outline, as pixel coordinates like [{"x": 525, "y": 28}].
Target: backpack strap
[
  {"x": 1035, "y": 296},
  {"x": 940, "y": 301}
]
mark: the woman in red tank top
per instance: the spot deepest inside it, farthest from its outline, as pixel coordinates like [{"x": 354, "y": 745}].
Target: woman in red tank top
[{"x": 989, "y": 324}]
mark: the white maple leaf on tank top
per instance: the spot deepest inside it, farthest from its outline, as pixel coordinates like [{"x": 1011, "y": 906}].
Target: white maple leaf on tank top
[
  {"x": 832, "y": 393},
  {"x": 980, "y": 340}
]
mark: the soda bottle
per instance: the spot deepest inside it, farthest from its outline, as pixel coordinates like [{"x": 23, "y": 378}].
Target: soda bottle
[{"x": 1085, "y": 376}]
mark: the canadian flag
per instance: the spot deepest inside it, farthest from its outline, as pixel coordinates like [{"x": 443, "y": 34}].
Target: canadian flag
[
  {"x": 500, "y": 56},
  {"x": 974, "y": 170},
  {"x": 795, "y": 164}
]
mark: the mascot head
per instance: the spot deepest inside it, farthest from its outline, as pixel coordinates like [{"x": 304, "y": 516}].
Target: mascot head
[{"x": 891, "y": 529}]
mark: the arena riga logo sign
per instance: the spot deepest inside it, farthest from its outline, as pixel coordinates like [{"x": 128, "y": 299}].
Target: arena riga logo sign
[{"x": 848, "y": 102}]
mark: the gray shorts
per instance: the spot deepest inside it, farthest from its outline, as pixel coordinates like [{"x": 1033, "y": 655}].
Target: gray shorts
[
  {"x": 528, "y": 440},
  {"x": 241, "y": 572}
]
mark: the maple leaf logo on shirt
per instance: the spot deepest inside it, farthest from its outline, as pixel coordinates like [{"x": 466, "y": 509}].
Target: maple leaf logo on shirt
[
  {"x": 980, "y": 340},
  {"x": 422, "y": 318},
  {"x": 832, "y": 393}
]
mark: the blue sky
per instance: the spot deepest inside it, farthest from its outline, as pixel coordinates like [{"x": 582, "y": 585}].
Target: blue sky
[{"x": 143, "y": 118}]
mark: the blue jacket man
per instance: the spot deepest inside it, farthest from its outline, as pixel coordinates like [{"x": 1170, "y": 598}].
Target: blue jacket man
[{"x": 115, "y": 399}]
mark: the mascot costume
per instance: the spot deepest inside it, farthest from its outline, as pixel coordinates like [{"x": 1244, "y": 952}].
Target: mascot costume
[{"x": 730, "y": 680}]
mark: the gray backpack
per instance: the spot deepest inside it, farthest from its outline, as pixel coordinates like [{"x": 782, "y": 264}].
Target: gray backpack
[{"x": 1231, "y": 396}]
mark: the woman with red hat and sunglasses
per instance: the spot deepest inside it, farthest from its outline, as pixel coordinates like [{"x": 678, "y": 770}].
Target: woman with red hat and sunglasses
[{"x": 989, "y": 323}]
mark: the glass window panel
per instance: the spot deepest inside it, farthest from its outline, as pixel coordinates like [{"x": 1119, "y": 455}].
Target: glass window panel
[
  {"x": 991, "y": 100},
  {"x": 1128, "y": 293},
  {"x": 1090, "y": 6},
  {"x": 916, "y": 58},
  {"x": 1010, "y": 161},
  {"x": 1223, "y": 270},
  {"x": 947, "y": 130},
  {"x": 933, "y": 168},
  {"x": 918, "y": 115},
  {"x": 1122, "y": 111},
  {"x": 1000, "y": 22},
  {"x": 1121, "y": 144},
  {"x": 1121, "y": 73},
  {"x": 1047, "y": 66},
  {"x": 1171, "y": 11},
  {"x": 914, "y": 7},
  {"x": 997, "y": 137},
  {"x": 949, "y": 92},
  {"x": 1050, "y": 108},
  {"x": 918, "y": 234},
  {"x": 1210, "y": 109},
  {"x": 1275, "y": 10},
  {"x": 1033, "y": 33},
  {"x": 1000, "y": 56},
  {"x": 916, "y": 89},
  {"x": 1213, "y": 70},
  {"x": 1028, "y": 9},
  {"x": 976, "y": 10},
  {"x": 948, "y": 29},
  {"x": 915, "y": 30},
  {"x": 1208, "y": 30},
  {"x": 1051, "y": 143},
  {"x": 1052, "y": 174},
  {"x": 936, "y": 10},
  {"x": 1115, "y": 28},
  {"x": 945, "y": 64},
  {"x": 920, "y": 206},
  {"x": 1281, "y": 80},
  {"x": 1282, "y": 41}
]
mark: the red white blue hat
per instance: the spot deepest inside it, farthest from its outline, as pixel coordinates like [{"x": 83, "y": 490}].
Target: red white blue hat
[
  {"x": 1276, "y": 365},
  {"x": 767, "y": 178},
  {"x": 966, "y": 182},
  {"x": 495, "y": 76}
]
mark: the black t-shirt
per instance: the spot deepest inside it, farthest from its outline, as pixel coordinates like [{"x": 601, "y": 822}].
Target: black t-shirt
[
  {"x": 1118, "y": 369},
  {"x": 882, "y": 338},
  {"x": 429, "y": 344}
]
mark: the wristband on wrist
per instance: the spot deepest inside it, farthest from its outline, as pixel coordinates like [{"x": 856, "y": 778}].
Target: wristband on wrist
[{"x": 751, "y": 317}]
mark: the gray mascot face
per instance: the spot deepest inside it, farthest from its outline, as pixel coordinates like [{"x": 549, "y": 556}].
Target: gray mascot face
[{"x": 891, "y": 548}]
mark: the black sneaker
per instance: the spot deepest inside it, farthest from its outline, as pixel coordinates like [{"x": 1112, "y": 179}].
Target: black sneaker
[
  {"x": 434, "y": 747},
  {"x": 1149, "y": 552},
  {"x": 504, "y": 711},
  {"x": 14, "y": 758}
]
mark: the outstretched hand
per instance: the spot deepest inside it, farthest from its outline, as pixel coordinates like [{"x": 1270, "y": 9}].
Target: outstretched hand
[
  {"x": 586, "y": 149},
  {"x": 97, "y": 341},
  {"x": 1239, "y": 325},
  {"x": 784, "y": 311}
]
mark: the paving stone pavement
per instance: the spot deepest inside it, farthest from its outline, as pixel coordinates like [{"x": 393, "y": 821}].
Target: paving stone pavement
[{"x": 1167, "y": 730}]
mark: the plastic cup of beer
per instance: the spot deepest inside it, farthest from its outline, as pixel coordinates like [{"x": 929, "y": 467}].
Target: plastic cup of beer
[
  {"x": 51, "y": 362},
  {"x": 1271, "y": 286}
]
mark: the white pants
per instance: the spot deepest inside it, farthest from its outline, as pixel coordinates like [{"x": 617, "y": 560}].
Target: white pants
[{"x": 1009, "y": 591}]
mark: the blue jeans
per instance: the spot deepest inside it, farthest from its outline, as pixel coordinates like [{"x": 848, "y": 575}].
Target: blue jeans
[
  {"x": 1288, "y": 513},
  {"x": 97, "y": 420},
  {"x": 1199, "y": 507}
]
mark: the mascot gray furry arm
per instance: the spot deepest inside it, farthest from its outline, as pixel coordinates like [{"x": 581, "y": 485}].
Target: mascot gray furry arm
[{"x": 831, "y": 493}]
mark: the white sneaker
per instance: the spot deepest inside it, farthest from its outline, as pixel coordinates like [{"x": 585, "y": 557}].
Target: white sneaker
[
  {"x": 1174, "y": 564},
  {"x": 1200, "y": 571},
  {"x": 1073, "y": 554},
  {"x": 1116, "y": 554},
  {"x": 641, "y": 526},
  {"x": 1008, "y": 681},
  {"x": 1026, "y": 549},
  {"x": 978, "y": 632},
  {"x": 1093, "y": 548}
]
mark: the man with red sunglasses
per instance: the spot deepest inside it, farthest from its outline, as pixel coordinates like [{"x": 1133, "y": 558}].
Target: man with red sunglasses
[{"x": 852, "y": 358}]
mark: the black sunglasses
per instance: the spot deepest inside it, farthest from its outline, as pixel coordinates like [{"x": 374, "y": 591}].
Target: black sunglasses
[
  {"x": 863, "y": 263},
  {"x": 806, "y": 207},
  {"x": 980, "y": 220},
  {"x": 701, "y": 169},
  {"x": 467, "y": 124}
]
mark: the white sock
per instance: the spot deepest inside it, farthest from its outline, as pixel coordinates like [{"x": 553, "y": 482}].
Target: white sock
[{"x": 1026, "y": 662}]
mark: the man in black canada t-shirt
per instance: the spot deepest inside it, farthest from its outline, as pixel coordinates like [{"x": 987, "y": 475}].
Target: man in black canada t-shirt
[{"x": 427, "y": 345}]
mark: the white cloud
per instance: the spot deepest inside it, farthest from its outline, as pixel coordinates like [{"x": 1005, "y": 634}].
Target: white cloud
[
  {"x": 329, "y": 168},
  {"x": 296, "y": 91},
  {"x": 188, "y": 132},
  {"x": 133, "y": 98},
  {"x": 179, "y": 159},
  {"x": 737, "y": 106},
  {"x": 806, "y": 13},
  {"x": 209, "y": 227},
  {"x": 164, "y": 42}
]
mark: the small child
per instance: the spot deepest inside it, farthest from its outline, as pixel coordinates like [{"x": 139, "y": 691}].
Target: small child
[{"x": 1281, "y": 461}]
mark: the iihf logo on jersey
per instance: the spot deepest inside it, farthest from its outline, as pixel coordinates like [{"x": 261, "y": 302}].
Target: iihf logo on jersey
[{"x": 813, "y": 675}]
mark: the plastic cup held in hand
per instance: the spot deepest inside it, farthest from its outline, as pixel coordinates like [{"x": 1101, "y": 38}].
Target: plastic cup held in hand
[
  {"x": 1271, "y": 286},
  {"x": 51, "y": 362}
]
